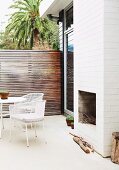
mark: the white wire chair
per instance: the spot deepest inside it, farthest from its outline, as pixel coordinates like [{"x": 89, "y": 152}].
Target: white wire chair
[
  {"x": 27, "y": 113},
  {"x": 33, "y": 96}
]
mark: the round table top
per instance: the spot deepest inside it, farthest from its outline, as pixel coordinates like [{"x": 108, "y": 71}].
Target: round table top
[{"x": 12, "y": 100}]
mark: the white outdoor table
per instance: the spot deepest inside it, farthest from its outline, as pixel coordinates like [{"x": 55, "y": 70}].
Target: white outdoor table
[{"x": 10, "y": 100}]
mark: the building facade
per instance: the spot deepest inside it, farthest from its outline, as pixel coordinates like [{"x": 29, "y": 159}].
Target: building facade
[{"x": 90, "y": 43}]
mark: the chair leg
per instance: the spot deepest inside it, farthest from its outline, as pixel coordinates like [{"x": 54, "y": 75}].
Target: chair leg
[
  {"x": 10, "y": 129},
  {"x": 43, "y": 131},
  {"x": 2, "y": 118},
  {"x": 43, "y": 124},
  {"x": 1, "y": 129},
  {"x": 31, "y": 126},
  {"x": 14, "y": 124},
  {"x": 27, "y": 135},
  {"x": 35, "y": 130},
  {"x": 1, "y": 125}
]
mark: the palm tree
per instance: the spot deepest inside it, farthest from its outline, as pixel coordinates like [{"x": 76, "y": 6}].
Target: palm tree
[{"x": 26, "y": 23}]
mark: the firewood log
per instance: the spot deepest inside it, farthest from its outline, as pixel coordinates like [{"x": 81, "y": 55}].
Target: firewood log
[
  {"x": 87, "y": 145},
  {"x": 115, "y": 147},
  {"x": 80, "y": 143}
]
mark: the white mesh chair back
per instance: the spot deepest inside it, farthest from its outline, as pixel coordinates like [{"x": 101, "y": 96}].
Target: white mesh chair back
[
  {"x": 33, "y": 96},
  {"x": 40, "y": 108},
  {"x": 36, "y": 107},
  {"x": 23, "y": 108}
]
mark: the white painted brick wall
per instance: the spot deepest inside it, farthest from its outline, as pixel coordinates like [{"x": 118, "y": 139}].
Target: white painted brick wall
[
  {"x": 96, "y": 67},
  {"x": 111, "y": 71},
  {"x": 61, "y": 36},
  {"x": 96, "y": 64},
  {"x": 88, "y": 63}
]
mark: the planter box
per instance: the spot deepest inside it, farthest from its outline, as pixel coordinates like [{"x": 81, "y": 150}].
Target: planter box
[
  {"x": 69, "y": 122},
  {"x": 4, "y": 95}
]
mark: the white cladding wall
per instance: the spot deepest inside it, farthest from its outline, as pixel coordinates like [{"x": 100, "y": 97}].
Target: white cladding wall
[
  {"x": 96, "y": 67},
  {"x": 61, "y": 35},
  {"x": 89, "y": 64},
  {"x": 111, "y": 71}
]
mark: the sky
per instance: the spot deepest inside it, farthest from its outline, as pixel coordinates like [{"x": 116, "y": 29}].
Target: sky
[{"x": 4, "y": 10}]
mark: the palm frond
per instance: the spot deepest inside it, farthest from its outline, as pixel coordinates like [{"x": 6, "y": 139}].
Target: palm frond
[{"x": 25, "y": 20}]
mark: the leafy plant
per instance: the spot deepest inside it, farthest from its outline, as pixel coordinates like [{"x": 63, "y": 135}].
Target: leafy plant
[
  {"x": 28, "y": 28},
  {"x": 70, "y": 117},
  {"x": 3, "y": 91},
  {"x": 25, "y": 21}
]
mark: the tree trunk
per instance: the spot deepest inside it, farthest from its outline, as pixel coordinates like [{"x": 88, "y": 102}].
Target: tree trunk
[{"x": 36, "y": 39}]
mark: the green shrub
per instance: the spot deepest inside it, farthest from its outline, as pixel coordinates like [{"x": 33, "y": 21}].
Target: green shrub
[
  {"x": 70, "y": 117},
  {"x": 3, "y": 91}
]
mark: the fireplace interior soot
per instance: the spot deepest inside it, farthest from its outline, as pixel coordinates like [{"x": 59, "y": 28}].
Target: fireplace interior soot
[{"x": 87, "y": 107}]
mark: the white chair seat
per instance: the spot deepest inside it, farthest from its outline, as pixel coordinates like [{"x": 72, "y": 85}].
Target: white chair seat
[{"x": 27, "y": 118}]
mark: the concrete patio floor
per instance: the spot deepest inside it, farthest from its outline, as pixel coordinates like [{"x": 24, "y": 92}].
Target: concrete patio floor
[{"x": 53, "y": 149}]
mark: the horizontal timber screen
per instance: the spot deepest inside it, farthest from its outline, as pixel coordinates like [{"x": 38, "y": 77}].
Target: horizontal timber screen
[{"x": 23, "y": 72}]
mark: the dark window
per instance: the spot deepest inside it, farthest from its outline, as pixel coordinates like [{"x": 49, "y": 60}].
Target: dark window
[
  {"x": 69, "y": 17},
  {"x": 70, "y": 70}
]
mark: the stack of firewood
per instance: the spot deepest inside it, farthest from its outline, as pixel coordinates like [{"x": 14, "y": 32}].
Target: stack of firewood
[
  {"x": 85, "y": 146},
  {"x": 85, "y": 118},
  {"x": 115, "y": 147}
]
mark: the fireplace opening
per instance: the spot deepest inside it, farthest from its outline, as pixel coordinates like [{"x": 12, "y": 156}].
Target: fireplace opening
[{"x": 87, "y": 107}]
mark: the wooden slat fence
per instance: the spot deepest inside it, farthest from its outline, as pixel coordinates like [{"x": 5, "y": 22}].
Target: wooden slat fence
[{"x": 23, "y": 72}]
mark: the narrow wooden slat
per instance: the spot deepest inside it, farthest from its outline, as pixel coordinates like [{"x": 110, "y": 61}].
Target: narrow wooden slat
[{"x": 23, "y": 72}]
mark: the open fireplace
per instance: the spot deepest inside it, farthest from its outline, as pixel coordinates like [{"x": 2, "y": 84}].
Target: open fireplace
[{"x": 87, "y": 107}]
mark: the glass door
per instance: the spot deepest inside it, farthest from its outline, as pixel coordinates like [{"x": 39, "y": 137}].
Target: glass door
[
  {"x": 68, "y": 61},
  {"x": 69, "y": 72}
]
